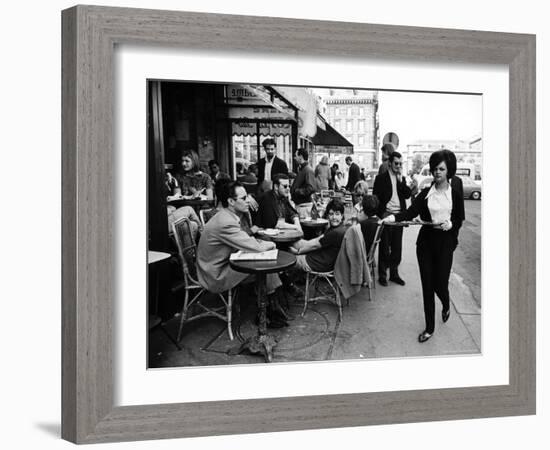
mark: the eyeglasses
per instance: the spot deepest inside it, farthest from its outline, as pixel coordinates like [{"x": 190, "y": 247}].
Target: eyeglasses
[
  {"x": 285, "y": 186},
  {"x": 397, "y": 163}
]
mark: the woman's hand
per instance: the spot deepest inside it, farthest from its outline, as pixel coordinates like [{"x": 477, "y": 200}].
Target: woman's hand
[
  {"x": 388, "y": 219},
  {"x": 447, "y": 225}
]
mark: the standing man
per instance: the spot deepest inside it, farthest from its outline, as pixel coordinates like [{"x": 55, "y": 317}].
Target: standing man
[
  {"x": 354, "y": 174},
  {"x": 392, "y": 191},
  {"x": 269, "y": 166},
  {"x": 304, "y": 184}
]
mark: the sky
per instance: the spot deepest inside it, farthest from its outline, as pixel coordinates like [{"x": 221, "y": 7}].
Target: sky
[
  {"x": 414, "y": 115},
  {"x": 424, "y": 115}
]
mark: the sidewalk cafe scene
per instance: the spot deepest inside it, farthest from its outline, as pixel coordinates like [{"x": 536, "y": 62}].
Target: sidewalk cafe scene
[{"x": 302, "y": 224}]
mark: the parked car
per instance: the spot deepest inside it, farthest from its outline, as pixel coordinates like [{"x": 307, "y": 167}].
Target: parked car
[{"x": 472, "y": 189}]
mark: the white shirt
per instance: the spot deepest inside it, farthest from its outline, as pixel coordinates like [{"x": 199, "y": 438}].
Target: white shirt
[
  {"x": 440, "y": 204},
  {"x": 268, "y": 166},
  {"x": 393, "y": 206}
]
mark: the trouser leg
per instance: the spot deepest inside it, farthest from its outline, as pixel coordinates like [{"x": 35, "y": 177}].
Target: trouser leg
[
  {"x": 383, "y": 253},
  {"x": 396, "y": 241},
  {"x": 425, "y": 265},
  {"x": 443, "y": 271}
]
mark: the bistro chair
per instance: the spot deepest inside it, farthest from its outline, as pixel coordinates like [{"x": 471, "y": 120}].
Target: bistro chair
[
  {"x": 206, "y": 214},
  {"x": 371, "y": 260},
  {"x": 312, "y": 280},
  {"x": 195, "y": 294},
  {"x": 327, "y": 194}
]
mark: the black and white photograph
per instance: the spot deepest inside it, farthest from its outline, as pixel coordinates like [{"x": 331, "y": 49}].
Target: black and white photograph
[{"x": 303, "y": 224}]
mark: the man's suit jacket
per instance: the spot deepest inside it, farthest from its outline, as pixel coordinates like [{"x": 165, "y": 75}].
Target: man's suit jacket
[
  {"x": 354, "y": 175},
  {"x": 222, "y": 236},
  {"x": 279, "y": 166},
  {"x": 383, "y": 190}
]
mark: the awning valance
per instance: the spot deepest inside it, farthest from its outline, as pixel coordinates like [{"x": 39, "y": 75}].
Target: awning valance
[{"x": 330, "y": 141}]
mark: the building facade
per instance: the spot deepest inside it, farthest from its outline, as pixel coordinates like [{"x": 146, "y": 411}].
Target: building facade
[{"x": 354, "y": 114}]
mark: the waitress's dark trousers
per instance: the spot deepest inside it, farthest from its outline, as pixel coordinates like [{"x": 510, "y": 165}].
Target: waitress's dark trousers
[{"x": 435, "y": 259}]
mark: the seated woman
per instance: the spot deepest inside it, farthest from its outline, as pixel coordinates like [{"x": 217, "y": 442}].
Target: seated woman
[
  {"x": 192, "y": 181},
  {"x": 360, "y": 189},
  {"x": 319, "y": 254}
]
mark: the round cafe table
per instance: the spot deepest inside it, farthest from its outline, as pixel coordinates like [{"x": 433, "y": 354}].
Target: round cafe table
[
  {"x": 196, "y": 203},
  {"x": 262, "y": 342},
  {"x": 154, "y": 258},
  {"x": 283, "y": 236},
  {"x": 313, "y": 227}
]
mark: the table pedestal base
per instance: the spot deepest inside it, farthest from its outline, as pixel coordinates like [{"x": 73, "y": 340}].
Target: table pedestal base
[{"x": 261, "y": 343}]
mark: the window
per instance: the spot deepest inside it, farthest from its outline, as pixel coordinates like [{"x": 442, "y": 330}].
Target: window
[
  {"x": 361, "y": 125},
  {"x": 361, "y": 111},
  {"x": 361, "y": 140},
  {"x": 338, "y": 124},
  {"x": 336, "y": 111},
  {"x": 349, "y": 125}
]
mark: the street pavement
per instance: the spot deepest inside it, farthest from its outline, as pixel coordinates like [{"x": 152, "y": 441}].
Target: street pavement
[{"x": 386, "y": 326}]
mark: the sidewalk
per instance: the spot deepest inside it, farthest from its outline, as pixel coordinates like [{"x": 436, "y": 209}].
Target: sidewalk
[{"x": 386, "y": 327}]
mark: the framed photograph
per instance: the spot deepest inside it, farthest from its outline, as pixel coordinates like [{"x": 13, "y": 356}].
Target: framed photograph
[{"x": 128, "y": 126}]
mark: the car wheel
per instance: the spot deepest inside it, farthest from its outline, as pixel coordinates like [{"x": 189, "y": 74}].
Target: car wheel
[{"x": 476, "y": 195}]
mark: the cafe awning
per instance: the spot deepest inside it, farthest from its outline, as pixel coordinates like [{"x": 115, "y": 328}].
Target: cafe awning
[{"x": 330, "y": 141}]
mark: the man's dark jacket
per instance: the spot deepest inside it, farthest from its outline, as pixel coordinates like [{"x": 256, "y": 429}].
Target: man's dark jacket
[
  {"x": 268, "y": 209},
  {"x": 279, "y": 166},
  {"x": 354, "y": 175},
  {"x": 383, "y": 190}
]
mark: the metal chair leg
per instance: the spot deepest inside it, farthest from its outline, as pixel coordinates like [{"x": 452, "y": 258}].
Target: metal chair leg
[
  {"x": 306, "y": 295},
  {"x": 229, "y": 312}
]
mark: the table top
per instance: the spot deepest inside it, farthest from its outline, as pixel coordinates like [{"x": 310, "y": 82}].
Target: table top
[
  {"x": 184, "y": 201},
  {"x": 283, "y": 235},
  {"x": 284, "y": 261},
  {"x": 315, "y": 223},
  {"x": 154, "y": 256}
]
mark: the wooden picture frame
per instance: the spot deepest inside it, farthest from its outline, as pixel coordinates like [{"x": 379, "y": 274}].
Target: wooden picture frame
[{"x": 89, "y": 36}]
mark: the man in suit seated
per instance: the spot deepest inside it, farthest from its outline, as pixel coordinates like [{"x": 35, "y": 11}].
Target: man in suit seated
[
  {"x": 223, "y": 234},
  {"x": 392, "y": 191},
  {"x": 275, "y": 210},
  {"x": 269, "y": 166}
]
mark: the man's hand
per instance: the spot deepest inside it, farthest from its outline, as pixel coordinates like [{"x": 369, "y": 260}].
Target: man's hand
[{"x": 254, "y": 229}]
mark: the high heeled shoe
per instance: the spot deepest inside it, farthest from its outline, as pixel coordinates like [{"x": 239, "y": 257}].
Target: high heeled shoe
[
  {"x": 445, "y": 314},
  {"x": 424, "y": 336}
]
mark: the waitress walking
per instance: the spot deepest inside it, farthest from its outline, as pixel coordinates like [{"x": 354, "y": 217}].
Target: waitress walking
[{"x": 442, "y": 206}]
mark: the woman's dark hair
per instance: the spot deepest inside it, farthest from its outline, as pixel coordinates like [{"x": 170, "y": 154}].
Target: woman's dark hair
[
  {"x": 303, "y": 153},
  {"x": 370, "y": 205},
  {"x": 227, "y": 191},
  {"x": 446, "y": 156},
  {"x": 334, "y": 205}
]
